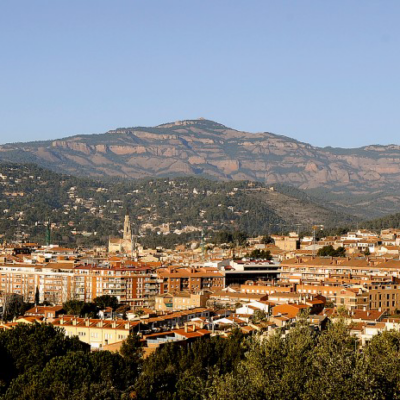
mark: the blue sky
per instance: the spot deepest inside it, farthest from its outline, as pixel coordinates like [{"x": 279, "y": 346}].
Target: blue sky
[{"x": 323, "y": 72}]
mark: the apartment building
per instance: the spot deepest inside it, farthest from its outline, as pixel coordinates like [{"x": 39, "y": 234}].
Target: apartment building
[
  {"x": 134, "y": 286},
  {"x": 59, "y": 282},
  {"x": 177, "y": 279},
  {"x": 181, "y": 301},
  {"x": 54, "y": 281},
  {"x": 319, "y": 269},
  {"x": 384, "y": 296},
  {"x": 351, "y": 298}
]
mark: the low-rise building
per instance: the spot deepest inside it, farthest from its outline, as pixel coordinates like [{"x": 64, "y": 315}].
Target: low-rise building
[{"x": 96, "y": 332}]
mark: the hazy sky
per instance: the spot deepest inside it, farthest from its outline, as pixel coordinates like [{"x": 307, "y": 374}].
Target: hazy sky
[{"x": 323, "y": 72}]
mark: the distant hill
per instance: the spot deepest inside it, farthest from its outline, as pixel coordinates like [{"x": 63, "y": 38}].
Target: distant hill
[
  {"x": 85, "y": 210},
  {"x": 389, "y": 221},
  {"x": 211, "y": 150}
]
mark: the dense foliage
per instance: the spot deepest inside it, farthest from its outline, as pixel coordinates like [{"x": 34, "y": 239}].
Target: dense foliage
[
  {"x": 13, "y": 306},
  {"x": 389, "y": 221},
  {"x": 39, "y": 362},
  {"x": 330, "y": 251},
  {"x": 90, "y": 309},
  {"x": 258, "y": 254},
  {"x": 87, "y": 211}
]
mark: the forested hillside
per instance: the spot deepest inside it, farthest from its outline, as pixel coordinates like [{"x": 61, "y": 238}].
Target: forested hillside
[
  {"x": 207, "y": 149},
  {"x": 84, "y": 210},
  {"x": 390, "y": 221}
]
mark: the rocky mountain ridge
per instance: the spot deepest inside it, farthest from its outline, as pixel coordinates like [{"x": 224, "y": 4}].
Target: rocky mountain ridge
[{"x": 206, "y": 148}]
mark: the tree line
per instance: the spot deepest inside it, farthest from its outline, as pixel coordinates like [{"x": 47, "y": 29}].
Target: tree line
[{"x": 39, "y": 362}]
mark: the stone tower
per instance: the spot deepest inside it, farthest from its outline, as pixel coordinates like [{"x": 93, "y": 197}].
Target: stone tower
[{"x": 127, "y": 228}]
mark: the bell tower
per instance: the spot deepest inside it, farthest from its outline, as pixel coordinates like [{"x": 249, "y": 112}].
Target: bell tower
[{"x": 127, "y": 228}]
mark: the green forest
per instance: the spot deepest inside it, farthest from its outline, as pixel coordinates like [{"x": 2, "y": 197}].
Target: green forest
[
  {"x": 86, "y": 211},
  {"x": 39, "y": 362}
]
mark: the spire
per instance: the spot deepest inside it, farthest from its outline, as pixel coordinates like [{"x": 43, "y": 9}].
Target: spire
[{"x": 127, "y": 228}]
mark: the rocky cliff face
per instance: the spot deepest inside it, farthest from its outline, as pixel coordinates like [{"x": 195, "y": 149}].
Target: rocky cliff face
[{"x": 202, "y": 147}]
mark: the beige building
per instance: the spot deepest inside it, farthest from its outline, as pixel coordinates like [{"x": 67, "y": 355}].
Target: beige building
[
  {"x": 287, "y": 243},
  {"x": 54, "y": 281},
  {"x": 96, "y": 332},
  {"x": 124, "y": 245},
  {"x": 181, "y": 301}
]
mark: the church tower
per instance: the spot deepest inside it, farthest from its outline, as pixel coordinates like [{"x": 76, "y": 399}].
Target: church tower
[{"x": 127, "y": 228}]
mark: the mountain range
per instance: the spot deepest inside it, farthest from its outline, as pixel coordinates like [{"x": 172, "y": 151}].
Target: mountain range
[{"x": 363, "y": 181}]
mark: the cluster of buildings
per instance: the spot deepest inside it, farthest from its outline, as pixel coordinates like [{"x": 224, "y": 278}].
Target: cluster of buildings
[{"x": 186, "y": 293}]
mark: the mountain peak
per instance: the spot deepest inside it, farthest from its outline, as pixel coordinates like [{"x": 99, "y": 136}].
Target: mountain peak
[{"x": 201, "y": 122}]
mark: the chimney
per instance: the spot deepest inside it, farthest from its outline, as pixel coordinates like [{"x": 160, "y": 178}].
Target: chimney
[{"x": 186, "y": 328}]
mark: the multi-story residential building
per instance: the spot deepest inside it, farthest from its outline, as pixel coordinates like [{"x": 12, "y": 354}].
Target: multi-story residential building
[
  {"x": 59, "y": 282},
  {"x": 319, "y": 269},
  {"x": 351, "y": 298},
  {"x": 177, "y": 279},
  {"x": 134, "y": 286},
  {"x": 384, "y": 296},
  {"x": 54, "y": 281},
  {"x": 181, "y": 301}
]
